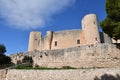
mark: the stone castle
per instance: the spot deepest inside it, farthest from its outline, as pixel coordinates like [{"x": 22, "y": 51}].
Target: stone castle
[
  {"x": 75, "y": 48},
  {"x": 69, "y": 38}
]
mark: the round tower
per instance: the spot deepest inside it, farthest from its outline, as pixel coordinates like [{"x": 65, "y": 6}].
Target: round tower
[
  {"x": 90, "y": 28},
  {"x": 34, "y": 40}
]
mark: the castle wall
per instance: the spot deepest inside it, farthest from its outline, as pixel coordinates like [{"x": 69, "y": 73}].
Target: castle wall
[
  {"x": 114, "y": 41},
  {"x": 105, "y": 38},
  {"x": 100, "y": 55},
  {"x": 71, "y": 74},
  {"x": 65, "y": 39}
]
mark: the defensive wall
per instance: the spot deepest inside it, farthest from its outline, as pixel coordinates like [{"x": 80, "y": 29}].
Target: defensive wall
[
  {"x": 77, "y": 74},
  {"x": 99, "y": 55}
]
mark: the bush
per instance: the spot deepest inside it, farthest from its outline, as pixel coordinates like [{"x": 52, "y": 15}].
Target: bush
[
  {"x": 4, "y": 59},
  {"x": 2, "y": 49},
  {"x": 23, "y": 66}
]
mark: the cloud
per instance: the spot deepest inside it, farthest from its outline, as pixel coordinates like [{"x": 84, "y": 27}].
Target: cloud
[{"x": 31, "y": 14}]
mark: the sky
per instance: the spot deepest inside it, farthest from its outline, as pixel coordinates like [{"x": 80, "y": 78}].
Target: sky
[{"x": 19, "y": 17}]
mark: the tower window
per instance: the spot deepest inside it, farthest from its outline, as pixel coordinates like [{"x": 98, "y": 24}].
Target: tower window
[
  {"x": 78, "y": 41},
  {"x": 55, "y": 43},
  {"x": 94, "y": 22},
  {"x": 96, "y": 39}
]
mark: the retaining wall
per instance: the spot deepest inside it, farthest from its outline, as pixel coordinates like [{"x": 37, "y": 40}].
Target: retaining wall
[
  {"x": 100, "y": 55},
  {"x": 79, "y": 74}
]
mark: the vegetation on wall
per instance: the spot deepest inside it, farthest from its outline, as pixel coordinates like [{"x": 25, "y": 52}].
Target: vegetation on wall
[
  {"x": 111, "y": 24},
  {"x": 26, "y": 63}
]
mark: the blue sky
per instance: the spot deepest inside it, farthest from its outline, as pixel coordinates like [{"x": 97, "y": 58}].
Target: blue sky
[{"x": 19, "y": 17}]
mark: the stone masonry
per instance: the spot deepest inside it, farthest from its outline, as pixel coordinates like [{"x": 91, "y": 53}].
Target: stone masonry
[
  {"x": 72, "y": 74},
  {"x": 89, "y": 34},
  {"x": 100, "y": 55}
]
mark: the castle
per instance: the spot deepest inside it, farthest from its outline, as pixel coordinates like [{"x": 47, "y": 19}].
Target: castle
[
  {"x": 69, "y": 38},
  {"x": 85, "y": 50},
  {"x": 75, "y": 48}
]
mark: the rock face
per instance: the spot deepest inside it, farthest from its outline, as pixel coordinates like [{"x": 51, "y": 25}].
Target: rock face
[
  {"x": 79, "y": 74},
  {"x": 101, "y": 55}
]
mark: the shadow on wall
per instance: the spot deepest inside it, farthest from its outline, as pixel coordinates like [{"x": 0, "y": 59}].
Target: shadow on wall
[
  {"x": 117, "y": 45},
  {"x": 108, "y": 77}
]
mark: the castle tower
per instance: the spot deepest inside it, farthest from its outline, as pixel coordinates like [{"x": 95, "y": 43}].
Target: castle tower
[
  {"x": 34, "y": 40},
  {"x": 48, "y": 40},
  {"x": 90, "y": 28}
]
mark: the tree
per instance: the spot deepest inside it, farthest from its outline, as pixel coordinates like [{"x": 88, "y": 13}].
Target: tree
[
  {"x": 111, "y": 24},
  {"x": 5, "y": 61},
  {"x": 2, "y": 49}
]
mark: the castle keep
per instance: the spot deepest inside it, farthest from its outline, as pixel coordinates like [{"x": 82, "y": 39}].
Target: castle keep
[{"x": 89, "y": 34}]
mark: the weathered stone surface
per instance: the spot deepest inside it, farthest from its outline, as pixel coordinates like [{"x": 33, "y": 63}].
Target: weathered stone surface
[
  {"x": 79, "y": 74},
  {"x": 3, "y": 74},
  {"x": 89, "y": 34},
  {"x": 101, "y": 55}
]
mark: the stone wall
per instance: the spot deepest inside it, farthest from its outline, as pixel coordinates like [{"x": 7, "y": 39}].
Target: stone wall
[
  {"x": 3, "y": 74},
  {"x": 105, "y": 38},
  {"x": 77, "y": 74},
  {"x": 100, "y": 55},
  {"x": 67, "y": 38}
]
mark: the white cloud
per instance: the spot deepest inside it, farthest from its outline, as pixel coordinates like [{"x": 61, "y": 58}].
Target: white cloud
[{"x": 30, "y": 14}]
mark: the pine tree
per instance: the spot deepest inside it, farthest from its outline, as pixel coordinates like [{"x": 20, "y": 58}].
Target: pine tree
[{"x": 111, "y": 24}]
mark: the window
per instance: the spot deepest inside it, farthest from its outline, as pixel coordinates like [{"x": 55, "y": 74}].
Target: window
[
  {"x": 94, "y": 22},
  {"x": 96, "y": 39},
  {"x": 55, "y": 43},
  {"x": 78, "y": 41}
]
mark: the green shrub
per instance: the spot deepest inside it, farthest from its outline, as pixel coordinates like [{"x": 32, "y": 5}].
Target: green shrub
[{"x": 23, "y": 66}]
